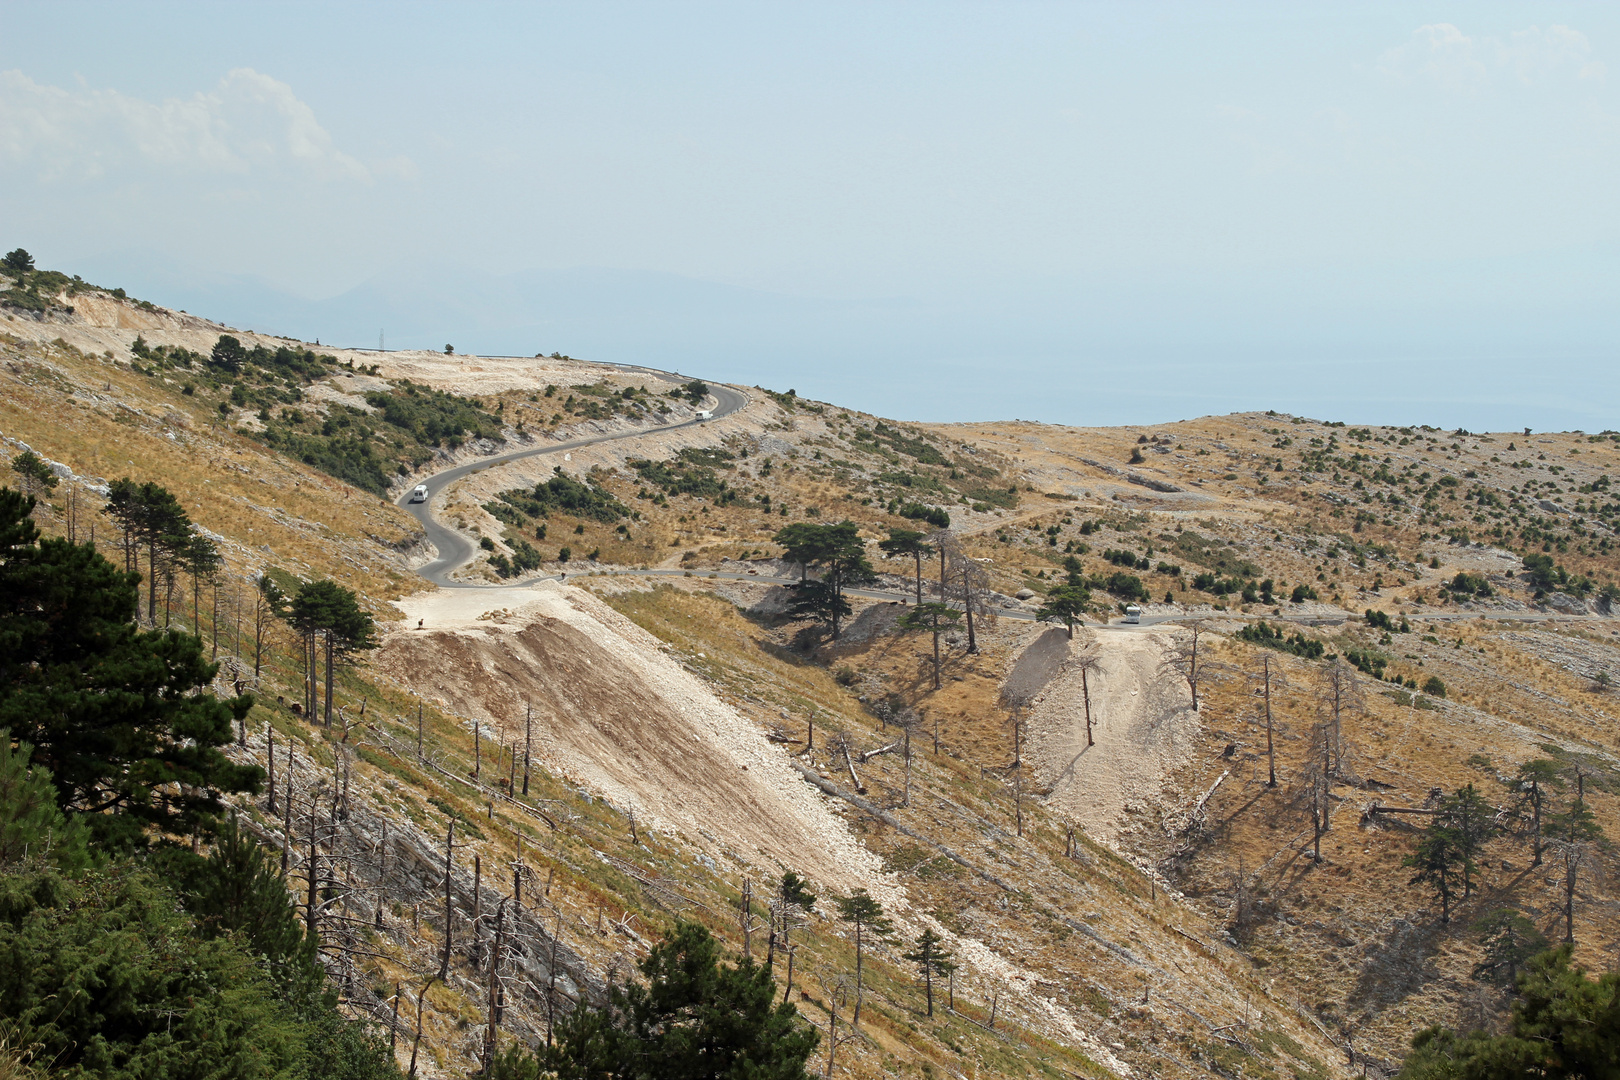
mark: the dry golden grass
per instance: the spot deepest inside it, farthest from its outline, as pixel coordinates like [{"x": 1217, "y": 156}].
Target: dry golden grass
[{"x": 82, "y": 411}]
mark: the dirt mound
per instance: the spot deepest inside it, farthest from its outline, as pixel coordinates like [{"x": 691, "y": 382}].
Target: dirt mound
[
  {"x": 619, "y": 716},
  {"x": 874, "y": 621},
  {"x": 1035, "y": 667},
  {"x": 1143, "y": 727}
]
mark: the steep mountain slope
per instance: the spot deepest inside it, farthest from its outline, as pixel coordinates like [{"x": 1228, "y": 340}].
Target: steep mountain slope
[{"x": 1106, "y": 921}]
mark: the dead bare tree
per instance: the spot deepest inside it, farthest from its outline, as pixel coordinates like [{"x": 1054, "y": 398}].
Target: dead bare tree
[
  {"x": 1340, "y": 696},
  {"x": 1318, "y": 775},
  {"x": 449, "y": 910},
  {"x": 311, "y": 867},
  {"x": 968, "y": 583},
  {"x": 416, "y": 1043},
  {"x": 747, "y": 921},
  {"x": 495, "y": 994},
  {"x": 1087, "y": 662},
  {"x": 1188, "y": 656},
  {"x": 1271, "y": 752},
  {"x": 528, "y": 741},
  {"x": 1018, "y": 798},
  {"x": 906, "y": 798},
  {"x": 841, "y": 746},
  {"x": 270, "y": 761},
  {"x": 838, "y": 988},
  {"x": 287, "y": 816},
  {"x": 267, "y": 605},
  {"x": 478, "y": 892}
]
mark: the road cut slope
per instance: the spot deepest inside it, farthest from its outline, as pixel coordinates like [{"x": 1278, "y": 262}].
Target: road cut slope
[
  {"x": 619, "y": 716},
  {"x": 1143, "y": 727}
]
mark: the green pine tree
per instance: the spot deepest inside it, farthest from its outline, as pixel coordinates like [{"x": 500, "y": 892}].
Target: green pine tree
[
  {"x": 904, "y": 542},
  {"x": 932, "y": 960},
  {"x": 864, "y": 913},
  {"x": 32, "y": 827},
  {"x": 1472, "y": 819},
  {"x": 113, "y": 712},
  {"x": 1437, "y": 859},
  {"x": 1564, "y": 1025},
  {"x": 838, "y": 552},
  {"x": 325, "y": 613},
  {"x": 1533, "y": 784},
  {"x": 693, "y": 1019},
  {"x": 36, "y": 476},
  {"x": 932, "y": 617},
  {"x": 1508, "y": 940},
  {"x": 1066, "y": 602}
]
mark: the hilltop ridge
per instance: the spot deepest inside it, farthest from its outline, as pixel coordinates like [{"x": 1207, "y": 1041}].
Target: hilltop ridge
[{"x": 1140, "y": 906}]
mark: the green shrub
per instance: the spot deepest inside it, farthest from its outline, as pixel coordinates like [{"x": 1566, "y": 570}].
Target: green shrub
[
  {"x": 564, "y": 494},
  {"x": 931, "y": 514},
  {"x": 1123, "y": 585},
  {"x": 1264, "y": 634},
  {"x": 1368, "y": 660},
  {"x": 433, "y": 417}
]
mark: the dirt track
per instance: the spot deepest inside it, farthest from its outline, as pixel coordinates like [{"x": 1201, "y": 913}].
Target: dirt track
[
  {"x": 618, "y": 715},
  {"x": 1142, "y": 726}
]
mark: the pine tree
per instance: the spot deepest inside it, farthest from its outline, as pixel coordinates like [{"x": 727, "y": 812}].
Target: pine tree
[
  {"x": 238, "y": 890},
  {"x": 202, "y": 560},
  {"x": 1508, "y": 941},
  {"x": 34, "y": 473},
  {"x": 1574, "y": 831},
  {"x": 162, "y": 525},
  {"x": 32, "y": 827},
  {"x": 1533, "y": 784},
  {"x": 932, "y": 617},
  {"x": 694, "y": 1018},
  {"x": 324, "y": 612},
  {"x": 1564, "y": 1025},
  {"x": 1471, "y": 819},
  {"x": 793, "y": 901},
  {"x": 838, "y": 552},
  {"x": 866, "y": 915},
  {"x": 903, "y": 542},
  {"x": 1438, "y": 856},
  {"x": 1066, "y": 602},
  {"x": 113, "y": 712},
  {"x": 931, "y": 959}
]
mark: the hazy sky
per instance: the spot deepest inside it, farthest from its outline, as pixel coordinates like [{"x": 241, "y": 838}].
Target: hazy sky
[{"x": 1074, "y": 212}]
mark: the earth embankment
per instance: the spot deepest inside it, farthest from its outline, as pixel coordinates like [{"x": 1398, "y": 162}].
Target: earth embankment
[
  {"x": 1142, "y": 727},
  {"x": 616, "y": 714}
]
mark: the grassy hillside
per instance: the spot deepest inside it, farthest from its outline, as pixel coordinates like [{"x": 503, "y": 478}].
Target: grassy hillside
[{"x": 1176, "y": 944}]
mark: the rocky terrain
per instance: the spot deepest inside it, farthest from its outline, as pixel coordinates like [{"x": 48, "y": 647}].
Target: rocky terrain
[{"x": 655, "y": 737}]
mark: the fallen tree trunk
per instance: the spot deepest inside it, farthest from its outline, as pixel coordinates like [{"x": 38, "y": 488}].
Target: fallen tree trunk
[{"x": 870, "y": 754}]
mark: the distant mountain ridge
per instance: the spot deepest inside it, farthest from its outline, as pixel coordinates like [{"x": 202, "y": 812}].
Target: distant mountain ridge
[{"x": 1104, "y": 352}]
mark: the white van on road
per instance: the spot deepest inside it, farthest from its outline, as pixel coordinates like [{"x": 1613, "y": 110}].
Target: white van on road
[
  {"x": 1133, "y": 614},
  {"x": 705, "y": 414},
  {"x": 419, "y": 493}
]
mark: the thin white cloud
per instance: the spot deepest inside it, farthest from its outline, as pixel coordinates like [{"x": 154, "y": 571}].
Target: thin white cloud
[
  {"x": 246, "y": 124},
  {"x": 1441, "y": 54}
]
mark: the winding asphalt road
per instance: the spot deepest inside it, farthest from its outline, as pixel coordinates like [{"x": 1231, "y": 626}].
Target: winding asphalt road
[{"x": 456, "y": 550}]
